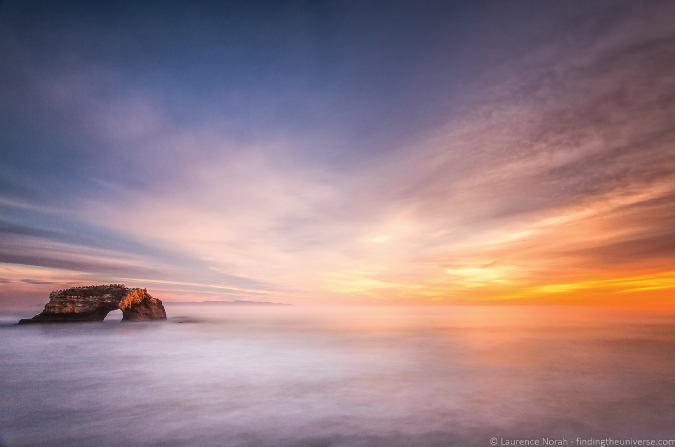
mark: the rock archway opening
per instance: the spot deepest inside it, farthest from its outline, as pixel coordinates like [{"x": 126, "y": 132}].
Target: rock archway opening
[{"x": 114, "y": 315}]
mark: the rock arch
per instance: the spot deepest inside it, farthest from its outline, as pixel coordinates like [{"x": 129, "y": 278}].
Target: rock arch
[{"x": 93, "y": 303}]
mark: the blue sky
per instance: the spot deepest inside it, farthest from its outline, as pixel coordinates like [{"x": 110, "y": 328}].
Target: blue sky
[{"x": 342, "y": 152}]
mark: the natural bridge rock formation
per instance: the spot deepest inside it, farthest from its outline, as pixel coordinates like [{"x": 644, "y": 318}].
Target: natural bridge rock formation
[{"x": 94, "y": 302}]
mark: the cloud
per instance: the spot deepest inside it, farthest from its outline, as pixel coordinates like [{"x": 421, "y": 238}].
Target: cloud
[{"x": 456, "y": 155}]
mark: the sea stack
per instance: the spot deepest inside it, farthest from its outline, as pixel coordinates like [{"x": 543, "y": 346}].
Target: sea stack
[{"x": 92, "y": 303}]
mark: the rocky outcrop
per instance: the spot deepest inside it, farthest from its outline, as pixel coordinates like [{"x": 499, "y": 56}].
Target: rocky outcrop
[
  {"x": 140, "y": 306},
  {"x": 94, "y": 302}
]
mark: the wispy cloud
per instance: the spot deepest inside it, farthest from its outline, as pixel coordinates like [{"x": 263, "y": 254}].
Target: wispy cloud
[{"x": 528, "y": 156}]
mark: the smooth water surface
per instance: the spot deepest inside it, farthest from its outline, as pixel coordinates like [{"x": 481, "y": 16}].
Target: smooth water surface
[{"x": 300, "y": 376}]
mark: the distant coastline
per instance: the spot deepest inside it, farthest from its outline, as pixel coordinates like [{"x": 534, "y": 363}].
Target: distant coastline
[{"x": 229, "y": 303}]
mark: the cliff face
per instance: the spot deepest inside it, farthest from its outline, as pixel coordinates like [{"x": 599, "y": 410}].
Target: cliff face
[
  {"x": 94, "y": 302},
  {"x": 140, "y": 306}
]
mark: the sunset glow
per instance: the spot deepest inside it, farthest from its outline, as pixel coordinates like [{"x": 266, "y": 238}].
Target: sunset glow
[{"x": 520, "y": 154}]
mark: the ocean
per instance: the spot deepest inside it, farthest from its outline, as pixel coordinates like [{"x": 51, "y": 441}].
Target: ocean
[{"x": 218, "y": 375}]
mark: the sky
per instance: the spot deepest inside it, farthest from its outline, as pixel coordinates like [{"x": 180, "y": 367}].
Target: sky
[{"x": 355, "y": 153}]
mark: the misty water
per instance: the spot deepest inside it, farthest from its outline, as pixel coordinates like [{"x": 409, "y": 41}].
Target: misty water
[{"x": 319, "y": 376}]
